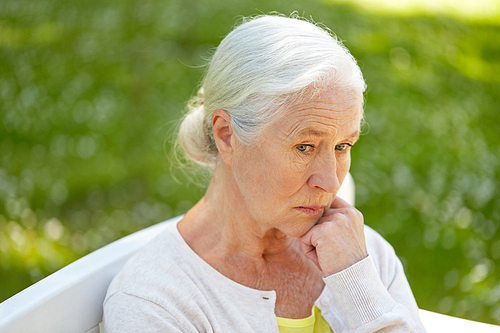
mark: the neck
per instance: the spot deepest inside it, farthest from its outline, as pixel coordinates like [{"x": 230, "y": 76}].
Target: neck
[{"x": 220, "y": 225}]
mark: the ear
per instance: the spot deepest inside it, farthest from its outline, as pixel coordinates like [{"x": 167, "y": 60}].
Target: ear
[{"x": 223, "y": 135}]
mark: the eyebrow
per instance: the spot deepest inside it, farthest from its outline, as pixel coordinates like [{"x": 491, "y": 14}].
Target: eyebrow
[
  {"x": 309, "y": 132},
  {"x": 313, "y": 132},
  {"x": 354, "y": 134}
]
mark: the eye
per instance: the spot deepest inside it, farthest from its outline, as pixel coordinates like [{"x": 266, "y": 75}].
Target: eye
[
  {"x": 304, "y": 148},
  {"x": 342, "y": 146}
]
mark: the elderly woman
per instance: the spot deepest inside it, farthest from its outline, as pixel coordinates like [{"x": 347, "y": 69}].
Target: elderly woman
[{"x": 269, "y": 248}]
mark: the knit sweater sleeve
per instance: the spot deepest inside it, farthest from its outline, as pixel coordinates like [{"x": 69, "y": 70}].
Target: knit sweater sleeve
[{"x": 374, "y": 294}]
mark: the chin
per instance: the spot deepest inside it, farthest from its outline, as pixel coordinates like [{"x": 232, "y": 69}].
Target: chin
[{"x": 301, "y": 228}]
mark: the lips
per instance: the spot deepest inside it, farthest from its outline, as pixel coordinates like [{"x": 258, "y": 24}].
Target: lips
[{"x": 311, "y": 210}]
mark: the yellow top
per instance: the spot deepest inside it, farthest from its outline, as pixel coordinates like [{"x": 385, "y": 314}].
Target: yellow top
[{"x": 315, "y": 323}]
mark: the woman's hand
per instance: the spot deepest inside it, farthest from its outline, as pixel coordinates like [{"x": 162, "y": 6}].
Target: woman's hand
[{"x": 337, "y": 241}]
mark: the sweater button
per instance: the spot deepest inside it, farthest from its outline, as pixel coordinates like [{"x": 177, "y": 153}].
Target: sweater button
[{"x": 324, "y": 301}]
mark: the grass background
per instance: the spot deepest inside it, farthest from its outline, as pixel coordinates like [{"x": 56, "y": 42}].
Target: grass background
[{"x": 90, "y": 92}]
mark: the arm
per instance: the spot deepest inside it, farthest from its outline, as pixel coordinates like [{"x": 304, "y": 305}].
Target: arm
[{"x": 368, "y": 305}]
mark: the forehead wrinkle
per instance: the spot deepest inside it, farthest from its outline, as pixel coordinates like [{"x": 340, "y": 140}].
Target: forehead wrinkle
[
  {"x": 322, "y": 112},
  {"x": 307, "y": 125},
  {"x": 310, "y": 130},
  {"x": 339, "y": 105}
]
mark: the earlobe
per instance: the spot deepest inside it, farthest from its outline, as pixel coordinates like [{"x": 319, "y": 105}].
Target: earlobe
[{"x": 223, "y": 134}]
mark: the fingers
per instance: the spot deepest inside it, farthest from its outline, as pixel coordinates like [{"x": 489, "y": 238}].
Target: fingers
[
  {"x": 340, "y": 206},
  {"x": 338, "y": 202},
  {"x": 309, "y": 250}
]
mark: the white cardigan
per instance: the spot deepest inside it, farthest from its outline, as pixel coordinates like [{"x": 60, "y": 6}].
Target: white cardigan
[{"x": 167, "y": 287}]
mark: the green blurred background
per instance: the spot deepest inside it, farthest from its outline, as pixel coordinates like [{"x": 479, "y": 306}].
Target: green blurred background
[{"x": 90, "y": 92}]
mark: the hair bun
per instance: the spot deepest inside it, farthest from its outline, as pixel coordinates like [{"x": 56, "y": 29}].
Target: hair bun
[{"x": 194, "y": 136}]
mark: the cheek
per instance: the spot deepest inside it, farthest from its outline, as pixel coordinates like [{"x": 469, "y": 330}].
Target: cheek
[
  {"x": 298, "y": 165},
  {"x": 284, "y": 174},
  {"x": 343, "y": 165},
  {"x": 256, "y": 173},
  {"x": 278, "y": 178}
]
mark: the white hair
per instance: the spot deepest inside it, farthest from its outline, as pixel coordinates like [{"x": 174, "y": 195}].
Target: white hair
[{"x": 265, "y": 63}]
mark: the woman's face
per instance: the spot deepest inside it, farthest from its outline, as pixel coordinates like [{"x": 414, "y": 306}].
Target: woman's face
[{"x": 295, "y": 169}]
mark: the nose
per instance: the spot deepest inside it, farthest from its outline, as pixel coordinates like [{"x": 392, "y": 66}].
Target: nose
[{"x": 324, "y": 176}]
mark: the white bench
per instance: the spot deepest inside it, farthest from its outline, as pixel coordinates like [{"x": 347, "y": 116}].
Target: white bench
[{"x": 70, "y": 300}]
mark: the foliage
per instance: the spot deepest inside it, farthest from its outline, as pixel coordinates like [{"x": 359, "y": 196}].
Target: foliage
[{"x": 89, "y": 96}]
